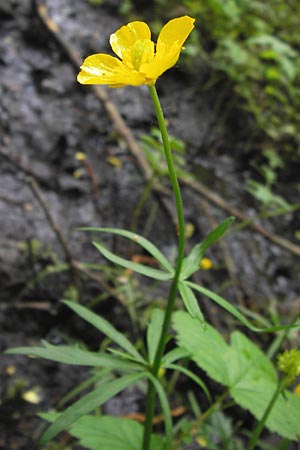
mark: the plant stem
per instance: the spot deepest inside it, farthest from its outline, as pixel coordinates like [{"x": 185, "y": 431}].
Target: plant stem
[
  {"x": 259, "y": 427},
  {"x": 174, "y": 286}
]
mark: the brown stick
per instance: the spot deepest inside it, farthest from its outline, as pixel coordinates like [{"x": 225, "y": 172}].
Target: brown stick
[
  {"x": 76, "y": 267},
  {"x": 219, "y": 201},
  {"x": 55, "y": 227}
]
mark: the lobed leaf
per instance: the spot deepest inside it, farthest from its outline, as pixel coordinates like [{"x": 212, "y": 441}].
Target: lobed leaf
[
  {"x": 242, "y": 367},
  {"x": 108, "y": 433}
]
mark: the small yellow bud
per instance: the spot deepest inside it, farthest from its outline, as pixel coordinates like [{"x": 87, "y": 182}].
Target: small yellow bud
[
  {"x": 78, "y": 173},
  {"x": 32, "y": 396},
  {"x": 201, "y": 441},
  {"x": 205, "y": 264},
  {"x": 189, "y": 230},
  {"x": 161, "y": 372},
  {"x": 114, "y": 161},
  {"x": 288, "y": 362},
  {"x": 297, "y": 390},
  {"x": 10, "y": 370},
  {"x": 80, "y": 156}
]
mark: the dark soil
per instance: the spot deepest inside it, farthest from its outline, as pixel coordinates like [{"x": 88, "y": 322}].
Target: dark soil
[{"x": 46, "y": 118}]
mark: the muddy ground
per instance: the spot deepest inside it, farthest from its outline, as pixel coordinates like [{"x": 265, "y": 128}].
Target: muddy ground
[{"x": 46, "y": 119}]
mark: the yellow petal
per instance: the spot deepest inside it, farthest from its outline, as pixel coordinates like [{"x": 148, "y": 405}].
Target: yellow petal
[
  {"x": 169, "y": 45},
  {"x": 106, "y": 69},
  {"x": 175, "y": 31},
  {"x": 125, "y": 37},
  {"x": 95, "y": 67},
  {"x": 125, "y": 77},
  {"x": 163, "y": 60}
]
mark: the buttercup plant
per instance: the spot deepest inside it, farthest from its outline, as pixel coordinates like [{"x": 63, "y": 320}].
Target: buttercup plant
[
  {"x": 142, "y": 63},
  {"x": 249, "y": 376}
]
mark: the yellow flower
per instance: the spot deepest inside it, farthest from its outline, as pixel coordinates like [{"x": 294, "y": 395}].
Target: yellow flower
[
  {"x": 205, "y": 264},
  {"x": 139, "y": 61}
]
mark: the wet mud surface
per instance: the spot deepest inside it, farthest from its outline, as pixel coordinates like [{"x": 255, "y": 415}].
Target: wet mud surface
[{"x": 46, "y": 118}]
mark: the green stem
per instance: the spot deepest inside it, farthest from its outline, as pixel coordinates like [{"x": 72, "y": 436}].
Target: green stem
[
  {"x": 174, "y": 286},
  {"x": 259, "y": 427}
]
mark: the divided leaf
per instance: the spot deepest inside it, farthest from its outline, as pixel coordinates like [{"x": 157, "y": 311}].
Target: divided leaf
[
  {"x": 192, "y": 261},
  {"x": 74, "y": 355},
  {"x": 209, "y": 346},
  {"x": 234, "y": 311},
  {"x": 106, "y": 328},
  {"x": 89, "y": 403},
  {"x": 140, "y": 240},
  {"x": 243, "y": 368},
  {"x": 135, "y": 267},
  {"x": 190, "y": 302}
]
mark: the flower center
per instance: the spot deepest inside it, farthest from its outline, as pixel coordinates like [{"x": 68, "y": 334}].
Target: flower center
[{"x": 142, "y": 52}]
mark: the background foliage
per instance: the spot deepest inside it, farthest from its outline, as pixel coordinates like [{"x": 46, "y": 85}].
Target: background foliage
[{"x": 252, "y": 47}]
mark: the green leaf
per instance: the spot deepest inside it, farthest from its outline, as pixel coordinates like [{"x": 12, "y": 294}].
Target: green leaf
[
  {"x": 154, "y": 332},
  {"x": 136, "y": 267},
  {"x": 190, "y": 302},
  {"x": 277, "y": 45},
  {"x": 234, "y": 312},
  {"x": 174, "y": 355},
  {"x": 191, "y": 262},
  {"x": 106, "y": 328},
  {"x": 190, "y": 375},
  {"x": 140, "y": 240},
  {"x": 88, "y": 403},
  {"x": 242, "y": 367},
  {"x": 165, "y": 409},
  {"x": 108, "y": 433},
  {"x": 74, "y": 355},
  {"x": 209, "y": 344}
]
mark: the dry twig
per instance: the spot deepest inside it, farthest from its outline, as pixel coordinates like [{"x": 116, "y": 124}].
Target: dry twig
[{"x": 77, "y": 268}]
